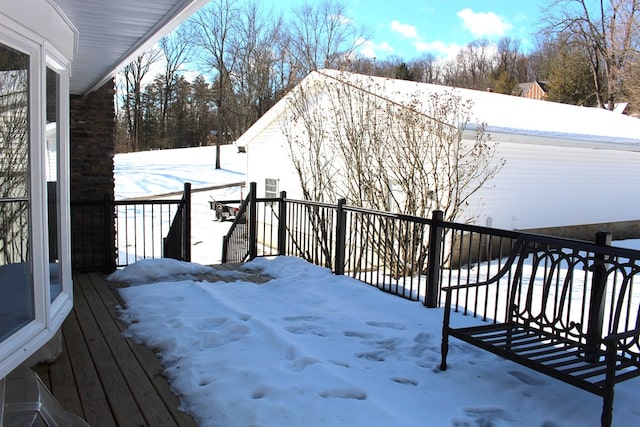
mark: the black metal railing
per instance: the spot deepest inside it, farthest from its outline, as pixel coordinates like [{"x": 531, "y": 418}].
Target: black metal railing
[
  {"x": 408, "y": 256},
  {"x": 236, "y": 246},
  {"x": 177, "y": 244},
  {"x": 92, "y": 242},
  {"x": 387, "y": 250},
  {"x": 109, "y": 234}
]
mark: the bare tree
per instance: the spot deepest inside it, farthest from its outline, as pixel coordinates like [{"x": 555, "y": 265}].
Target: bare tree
[
  {"x": 426, "y": 69},
  {"x": 349, "y": 138},
  {"x": 177, "y": 50},
  {"x": 321, "y": 36},
  {"x": 476, "y": 63},
  {"x": 633, "y": 87},
  {"x": 254, "y": 80},
  {"x": 134, "y": 74},
  {"x": 214, "y": 28},
  {"x": 306, "y": 132},
  {"x": 607, "y": 30},
  {"x": 504, "y": 75}
]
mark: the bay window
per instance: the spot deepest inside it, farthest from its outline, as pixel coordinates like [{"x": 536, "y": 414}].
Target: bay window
[{"x": 35, "y": 269}]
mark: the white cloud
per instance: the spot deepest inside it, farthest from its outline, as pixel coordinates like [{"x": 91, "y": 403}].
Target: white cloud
[
  {"x": 374, "y": 50},
  {"x": 410, "y": 32},
  {"x": 405, "y": 30},
  {"x": 484, "y": 23},
  {"x": 440, "y": 48},
  {"x": 345, "y": 20}
]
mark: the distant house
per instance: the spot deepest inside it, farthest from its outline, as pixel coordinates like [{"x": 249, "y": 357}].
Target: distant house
[
  {"x": 569, "y": 170},
  {"x": 532, "y": 90},
  {"x": 57, "y": 64}
]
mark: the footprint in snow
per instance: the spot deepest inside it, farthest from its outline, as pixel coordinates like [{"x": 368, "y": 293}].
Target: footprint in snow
[
  {"x": 259, "y": 392},
  {"x": 374, "y": 356},
  {"x": 422, "y": 338},
  {"x": 384, "y": 349},
  {"x": 486, "y": 417},
  {"x": 363, "y": 335},
  {"x": 339, "y": 363},
  {"x": 390, "y": 325},
  {"x": 301, "y": 363},
  {"x": 344, "y": 393},
  {"x": 301, "y": 318},
  {"x": 424, "y": 345},
  {"x": 526, "y": 378},
  {"x": 306, "y": 330},
  {"x": 404, "y": 381},
  {"x": 211, "y": 323}
]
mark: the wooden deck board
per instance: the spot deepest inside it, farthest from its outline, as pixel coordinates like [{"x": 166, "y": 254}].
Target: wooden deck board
[
  {"x": 95, "y": 409},
  {"x": 102, "y": 376},
  {"x": 152, "y": 368},
  {"x": 149, "y": 387},
  {"x": 108, "y": 365},
  {"x": 65, "y": 385}
]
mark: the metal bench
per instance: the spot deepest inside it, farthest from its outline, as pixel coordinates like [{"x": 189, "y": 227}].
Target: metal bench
[{"x": 568, "y": 311}]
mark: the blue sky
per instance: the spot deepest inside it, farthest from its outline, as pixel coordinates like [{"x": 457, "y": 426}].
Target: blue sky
[{"x": 409, "y": 28}]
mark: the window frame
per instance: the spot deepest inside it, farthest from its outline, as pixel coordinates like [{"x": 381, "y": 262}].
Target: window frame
[
  {"x": 271, "y": 182},
  {"x": 61, "y": 305},
  {"x": 48, "y": 315}
]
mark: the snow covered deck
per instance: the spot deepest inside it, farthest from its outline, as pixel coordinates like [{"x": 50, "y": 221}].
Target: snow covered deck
[{"x": 103, "y": 377}]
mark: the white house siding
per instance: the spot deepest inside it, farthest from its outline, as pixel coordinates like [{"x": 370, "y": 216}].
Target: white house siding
[
  {"x": 539, "y": 186},
  {"x": 547, "y": 186},
  {"x": 268, "y": 157}
]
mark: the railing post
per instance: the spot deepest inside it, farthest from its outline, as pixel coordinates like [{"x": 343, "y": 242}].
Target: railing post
[
  {"x": 435, "y": 256},
  {"x": 596, "y": 306},
  {"x": 253, "y": 222},
  {"x": 186, "y": 223},
  {"x": 341, "y": 232},
  {"x": 282, "y": 223},
  {"x": 109, "y": 235},
  {"x": 225, "y": 242}
]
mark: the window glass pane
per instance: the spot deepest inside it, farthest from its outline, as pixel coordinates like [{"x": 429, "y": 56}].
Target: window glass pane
[
  {"x": 52, "y": 171},
  {"x": 16, "y": 290}
]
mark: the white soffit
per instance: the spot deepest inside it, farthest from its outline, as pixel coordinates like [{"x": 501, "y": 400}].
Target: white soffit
[{"x": 112, "y": 33}]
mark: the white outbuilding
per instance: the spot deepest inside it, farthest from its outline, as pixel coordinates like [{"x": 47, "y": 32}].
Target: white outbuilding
[{"x": 568, "y": 170}]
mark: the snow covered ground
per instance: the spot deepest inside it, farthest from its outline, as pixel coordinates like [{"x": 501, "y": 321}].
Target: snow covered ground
[
  {"x": 151, "y": 173},
  {"x": 312, "y": 349}
]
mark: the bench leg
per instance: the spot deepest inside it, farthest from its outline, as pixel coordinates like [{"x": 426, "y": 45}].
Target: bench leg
[
  {"x": 444, "y": 348},
  {"x": 609, "y": 383},
  {"x": 607, "y": 409}
]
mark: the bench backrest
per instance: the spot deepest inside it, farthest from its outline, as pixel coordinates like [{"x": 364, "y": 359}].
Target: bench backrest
[{"x": 576, "y": 290}]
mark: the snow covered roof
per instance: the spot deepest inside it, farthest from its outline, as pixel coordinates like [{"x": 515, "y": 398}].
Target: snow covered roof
[
  {"x": 507, "y": 117},
  {"x": 513, "y": 115}
]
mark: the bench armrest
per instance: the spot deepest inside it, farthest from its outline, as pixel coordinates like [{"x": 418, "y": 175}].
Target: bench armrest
[
  {"x": 469, "y": 285},
  {"x": 515, "y": 251},
  {"x": 622, "y": 335}
]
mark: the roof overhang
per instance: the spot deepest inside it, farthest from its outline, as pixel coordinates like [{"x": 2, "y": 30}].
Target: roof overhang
[
  {"x": 522, "y": 136},
  {"x": 112, "y": 33}
]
